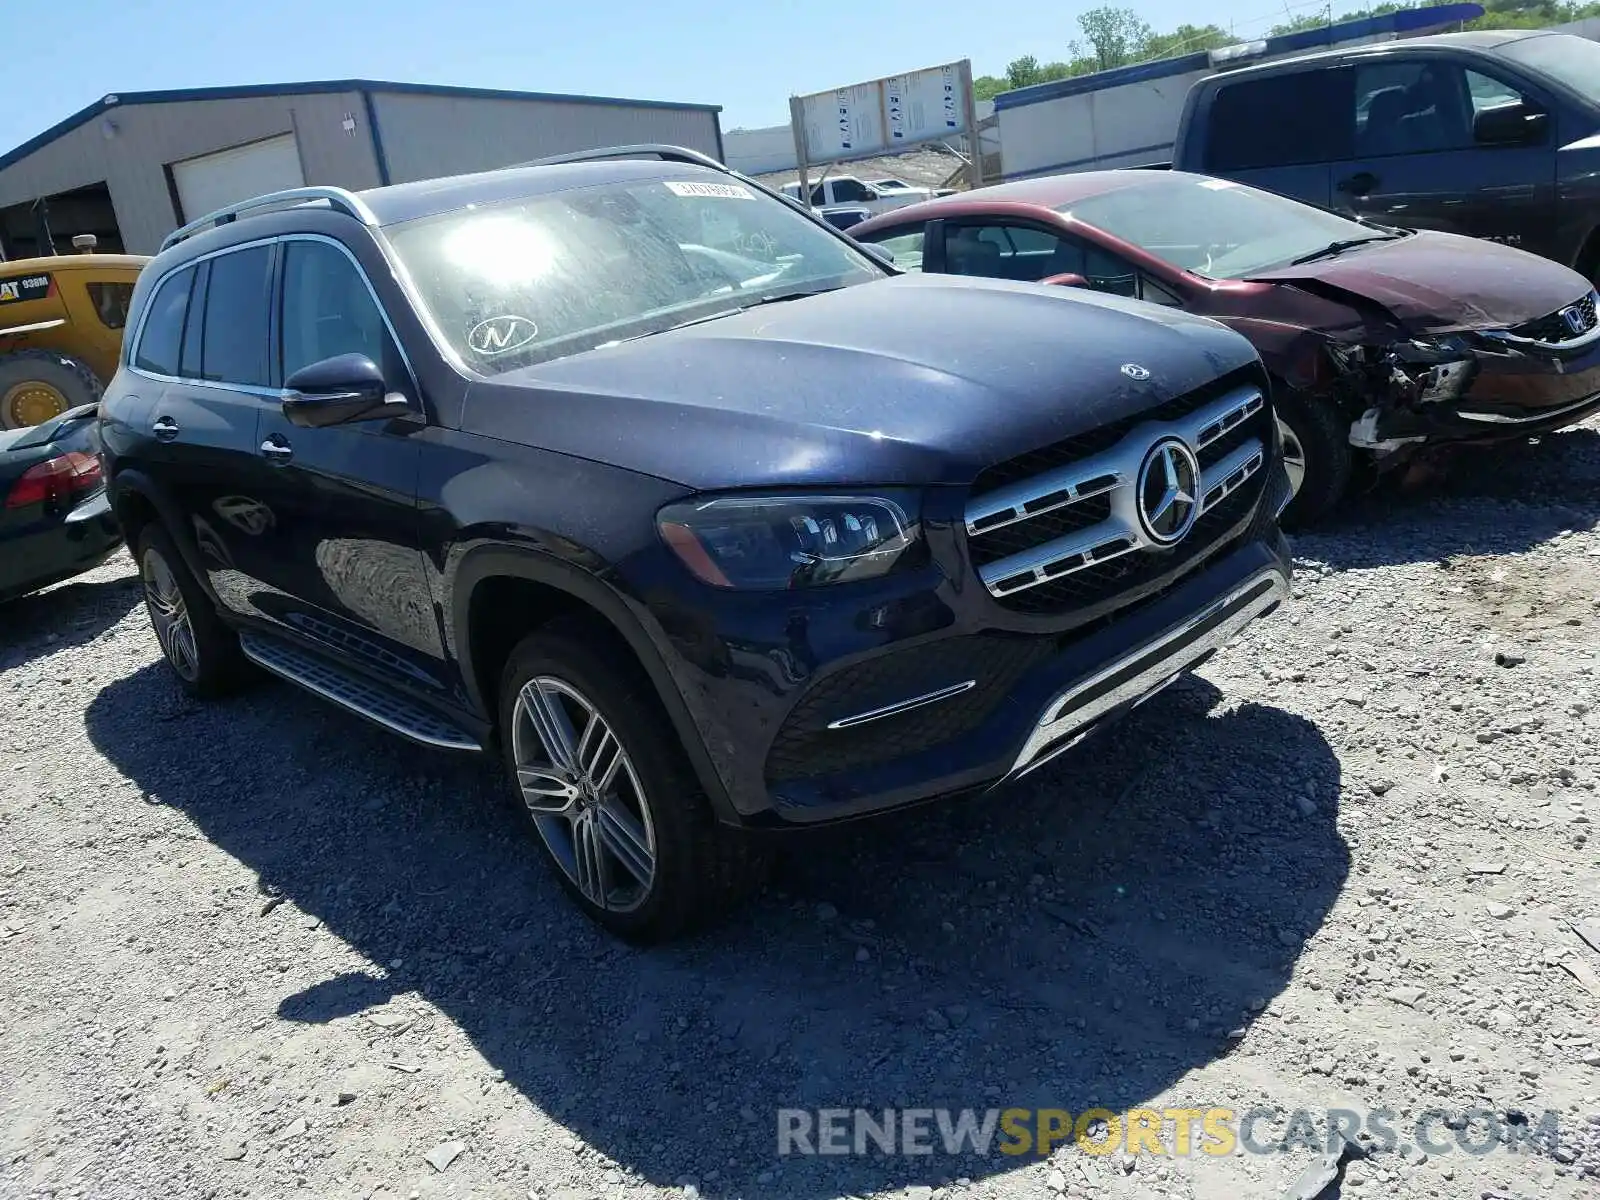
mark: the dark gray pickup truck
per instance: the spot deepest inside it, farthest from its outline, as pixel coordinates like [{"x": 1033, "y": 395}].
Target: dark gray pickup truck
[{"x": 1494, "y": 134}]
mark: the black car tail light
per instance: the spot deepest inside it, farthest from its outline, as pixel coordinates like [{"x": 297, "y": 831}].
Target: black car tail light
[{"x": 65, "y": 477}]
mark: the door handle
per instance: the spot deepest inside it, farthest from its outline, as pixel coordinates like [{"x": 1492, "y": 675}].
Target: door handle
[
  {"x": 277, "y": 450},
  {"x": 1359, "y": 184},
  {"x": 165, "y": 429}
]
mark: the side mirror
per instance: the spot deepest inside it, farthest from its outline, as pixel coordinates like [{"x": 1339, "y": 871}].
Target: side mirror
[
  {"x": 878, "y": 252},
  {"x": 1066, "y": 279},
  {"x": 1510, "y": 125},
  {"x": 347, "y": 387}
]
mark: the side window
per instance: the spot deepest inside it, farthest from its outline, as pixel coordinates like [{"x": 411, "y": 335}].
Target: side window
[
  {"x": 234, "y": 342},
  {"x": 327, "y": 311},
  {"x": 162, "y": 335},
  {"x": 904, "y": 244},
  {"x": 1491, "y": 93},
  {"x": 850, "y": 191},
  {"x": 1280, "y": 121},
  {"x": 1009, "y": 252},
  {"x": 1411, "y": 107},
  {"x": 189, "y": 367}
]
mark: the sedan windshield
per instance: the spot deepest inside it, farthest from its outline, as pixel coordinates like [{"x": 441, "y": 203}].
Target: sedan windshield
[
  {"x": 1568, "y": 59},
  {"x": 1215, "y": 227},
  {"x": 509, "y": 285}
]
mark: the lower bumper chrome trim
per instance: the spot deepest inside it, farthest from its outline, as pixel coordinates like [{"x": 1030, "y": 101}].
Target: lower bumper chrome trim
[
  {"x": 1530, "y": 418},
  {"x": 1146, "y": 670},
  {"x": 900, "y": 706}
]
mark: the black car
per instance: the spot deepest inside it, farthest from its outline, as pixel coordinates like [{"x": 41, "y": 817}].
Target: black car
[
  {"x": 1490, "y": 133},
  {"x": 690, "y": 508},
  {"x": 55, "y": 521}
]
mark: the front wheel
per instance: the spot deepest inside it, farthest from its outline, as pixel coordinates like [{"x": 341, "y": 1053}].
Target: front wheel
[
  {"x": 1316, "y": 456},
  {"x": 607, "y": 791}
]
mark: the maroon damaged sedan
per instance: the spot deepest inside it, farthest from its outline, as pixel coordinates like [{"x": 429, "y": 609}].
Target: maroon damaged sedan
[{"x": 1383, "y": 342}]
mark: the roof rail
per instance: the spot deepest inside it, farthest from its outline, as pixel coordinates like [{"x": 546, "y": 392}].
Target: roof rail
[
  {"x": 338, "y": 198},
  {"x": 664, "y": 152}
]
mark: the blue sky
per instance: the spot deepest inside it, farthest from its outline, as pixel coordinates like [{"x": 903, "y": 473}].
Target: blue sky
[{"x": 748, "y": 56}]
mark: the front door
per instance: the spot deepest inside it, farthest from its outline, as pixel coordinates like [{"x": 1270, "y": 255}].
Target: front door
[
  {"x": 1417, "y": 163},
  {"x": 343, "y": 558}
]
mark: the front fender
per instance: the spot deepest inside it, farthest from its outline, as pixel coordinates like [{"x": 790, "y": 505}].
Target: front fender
[{"x": 630, "y": 620}]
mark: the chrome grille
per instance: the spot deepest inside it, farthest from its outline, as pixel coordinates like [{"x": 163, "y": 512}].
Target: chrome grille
[
  {"x": 1558, "y": 327},
  {"x": 1085, "y": 513}
]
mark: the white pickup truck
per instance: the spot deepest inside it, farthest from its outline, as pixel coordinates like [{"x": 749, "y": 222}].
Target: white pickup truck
[{"x": 847, "y": 190}]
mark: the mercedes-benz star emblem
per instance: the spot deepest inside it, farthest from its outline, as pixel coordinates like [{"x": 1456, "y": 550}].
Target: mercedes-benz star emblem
[
  {"x": 1169, "y": 491},
  {"x": 1135, "y": 371}
]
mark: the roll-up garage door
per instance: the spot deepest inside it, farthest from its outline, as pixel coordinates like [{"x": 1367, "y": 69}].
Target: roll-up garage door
[{"x": 226, "y": 177}]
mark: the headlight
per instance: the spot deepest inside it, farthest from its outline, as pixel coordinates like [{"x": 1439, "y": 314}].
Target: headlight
[{"x": 778, "y": 542}]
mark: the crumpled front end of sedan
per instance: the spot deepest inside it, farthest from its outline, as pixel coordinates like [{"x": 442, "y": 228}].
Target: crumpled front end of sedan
[{"x": 1471, "y": 385}]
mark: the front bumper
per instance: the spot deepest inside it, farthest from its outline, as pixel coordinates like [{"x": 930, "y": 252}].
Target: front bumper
[
  {"x": 47, "y": 554},
  {"x": 1054, "y": 692},
  {"x": 1126, "y": 683},
  {"x": 1519, "y": 387}
]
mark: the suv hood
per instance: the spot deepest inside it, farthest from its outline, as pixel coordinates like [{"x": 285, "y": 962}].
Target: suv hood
[
  {"x": 1444, "y": 282},
  {"x": 915, "y": 379}
]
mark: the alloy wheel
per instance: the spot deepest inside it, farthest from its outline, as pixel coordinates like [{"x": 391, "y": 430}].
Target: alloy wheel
[
  {"x": 1294, "y": 457},
  {"x": 169, "y": 614},
  {"x": 580, "y": 787}
]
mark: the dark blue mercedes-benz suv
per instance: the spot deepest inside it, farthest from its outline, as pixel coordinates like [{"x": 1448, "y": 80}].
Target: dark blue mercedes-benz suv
[{"x": 697, "y": 513}]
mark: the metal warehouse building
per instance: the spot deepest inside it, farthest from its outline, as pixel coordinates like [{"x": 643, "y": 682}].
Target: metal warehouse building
[{"x": 131, "y": 168}]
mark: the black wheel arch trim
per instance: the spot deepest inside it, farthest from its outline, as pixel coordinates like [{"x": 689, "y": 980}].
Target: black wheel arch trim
[
  {"x": 483, "y": 563},
  {"x": 132, "y": 480}
]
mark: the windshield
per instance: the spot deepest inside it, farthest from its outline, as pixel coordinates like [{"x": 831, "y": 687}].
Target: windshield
[
  {"x": 1215, "y": 227},
  {"x": 1569, "y": 60},
  {"x": 509, "y": 285}
]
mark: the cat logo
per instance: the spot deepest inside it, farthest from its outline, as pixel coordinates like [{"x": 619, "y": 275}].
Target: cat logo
[
  {"x": 28, "y": 287},
  {"x": 501, "y": 335}
]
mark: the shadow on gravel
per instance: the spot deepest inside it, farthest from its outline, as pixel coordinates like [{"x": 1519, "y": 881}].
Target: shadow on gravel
[
  {"x": 1085, "y": 940},
  {"x": 1486, "y": 500},
  {"x": 70, "y": 614}
]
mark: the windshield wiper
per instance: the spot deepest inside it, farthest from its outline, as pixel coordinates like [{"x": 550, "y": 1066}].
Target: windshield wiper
[
  {"x": 793, "y": 294},
  {"x": 1334, "y": 249},
  {"x": 734, "y": 310}
]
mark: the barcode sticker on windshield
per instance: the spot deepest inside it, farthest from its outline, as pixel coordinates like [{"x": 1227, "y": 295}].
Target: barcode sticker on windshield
[{"x": 719, "y": 191}]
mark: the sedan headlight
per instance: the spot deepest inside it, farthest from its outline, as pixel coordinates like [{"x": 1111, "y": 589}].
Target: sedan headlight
[{"x": 774, "y": 543}]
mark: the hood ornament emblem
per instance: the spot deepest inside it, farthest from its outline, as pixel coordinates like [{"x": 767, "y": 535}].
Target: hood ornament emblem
[
  {"x": 1135, "y": 371},
  {"x": 1168, "y": 493}
]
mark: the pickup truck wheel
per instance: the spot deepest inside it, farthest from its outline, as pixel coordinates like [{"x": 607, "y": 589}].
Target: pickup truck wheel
[
  {"x": 607, "y": 792},
  {"x": 1316, "y": 454},
  {"x": 203, "y": 652}
]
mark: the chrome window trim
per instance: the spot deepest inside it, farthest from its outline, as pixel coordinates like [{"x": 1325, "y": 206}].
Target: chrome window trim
[{"x": 131, "y": 347}]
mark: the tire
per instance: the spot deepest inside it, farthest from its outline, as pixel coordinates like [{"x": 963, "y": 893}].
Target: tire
[
  {"x": 32, "y": 378},
  {"x": 665, "y": 864},
  {"x": 201, "y": 651},
  {"x": 1322, "y": 436}
]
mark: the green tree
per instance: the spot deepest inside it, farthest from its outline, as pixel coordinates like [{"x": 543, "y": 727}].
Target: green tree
[{"x": 1115, "y": 36}]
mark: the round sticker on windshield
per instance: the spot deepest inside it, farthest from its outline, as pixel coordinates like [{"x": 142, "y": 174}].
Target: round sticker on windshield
[{"x": 501, "y": 335}]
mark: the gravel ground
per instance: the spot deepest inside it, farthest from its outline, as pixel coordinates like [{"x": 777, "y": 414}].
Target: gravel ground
[{"x": 259, "y": 947}]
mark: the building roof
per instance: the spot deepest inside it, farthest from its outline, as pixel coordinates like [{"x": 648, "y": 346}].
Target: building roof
[{"x": 311, "y": 87}]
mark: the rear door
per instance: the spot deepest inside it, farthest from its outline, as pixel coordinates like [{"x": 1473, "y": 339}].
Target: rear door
[
  {"x": 1416, "y": 163},
  {"x": 204, "y": 421},
  {"x": 1282, "y": 132}
]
